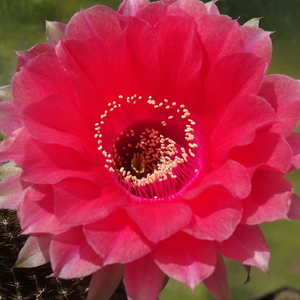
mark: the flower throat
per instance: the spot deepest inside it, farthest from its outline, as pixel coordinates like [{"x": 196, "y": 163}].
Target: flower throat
[{"x": 153, "y": 149}]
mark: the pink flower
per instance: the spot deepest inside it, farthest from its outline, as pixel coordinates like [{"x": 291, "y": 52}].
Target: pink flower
[{"x": 151, "y": 143}]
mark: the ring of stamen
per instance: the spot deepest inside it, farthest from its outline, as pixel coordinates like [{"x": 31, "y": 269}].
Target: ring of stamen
[{"x": 149, "y": 158}]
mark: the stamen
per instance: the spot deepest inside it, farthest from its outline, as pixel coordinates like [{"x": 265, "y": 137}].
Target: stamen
[{"x": 147, "y": 162}]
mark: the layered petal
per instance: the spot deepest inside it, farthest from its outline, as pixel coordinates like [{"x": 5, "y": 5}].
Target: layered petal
[
  {"x": 257, "y": 41},
  {"x": 269, "y": 200},
  {"x": 283, "y": 93},
  {"x": 79, "y": 201},
  {"x": 191, "y": 260},
  {"x": 36, "y": 212},
  {"x": 11, "y": 191},
  {"x": 117, "y": 239},
  {"x": 104, "y": 282},
  {"x": 71, "y": 256},
  {"x": 215, "y": 216},
  {"x": 217, "y": 283},
  {"x": 35, "y": 252},
  {"x": 151, "y": 219},
  {"x": 224, "y": 178},
  {"x": 143, "y": 279},
  {"x": 248, "y": 246}
]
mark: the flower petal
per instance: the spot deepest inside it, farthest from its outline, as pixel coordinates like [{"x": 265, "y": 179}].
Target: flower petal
[
  {"x": 104, "y": 282},
  {"x": 54, "y": 127},
  {"x": 25, "y": 56},
  {"x": 9, "y": 114},
  {"x": 224, "y": 178},
  {"x": 229, "y": 35},
  {"x": 248, "y": 72},
  {"x": 11, "y": 190},
  {"x": 36, "y": 212},
  {"x": 283, "y": 93},
  {"x": 294, "y": 140},
  {"x": 98, "y": 21},
  {"x": 36, "y": 75},
  {"x": 269, "y": 199},
  {"x": 248, "y": 246},
  {"x": 143, "y": 279},
  {"x": 268, "y": 151},
  {"x": 194, "y": 8},
  {"x": 216, "y": 216},
  {"x": 79, "y": 202},
  {"x": 294, "y": 212},
  {"x": 71, "y": 256},
  {"x": 232, "y": 131},
  {"x": 35, "y": 252},
  {"x": 217, "y": 283},
  {"x": 190, "y": 261},
  {"x": 181, "y": 52},
  {"x": 50, "y": 163},
  {"x": 117, "y": 239},
  {"x": 151, "y": 218},
  {"x": 55, "y": 31},
  {"x": 257, "y": 41},
  {"x": 132, "y": 7}
]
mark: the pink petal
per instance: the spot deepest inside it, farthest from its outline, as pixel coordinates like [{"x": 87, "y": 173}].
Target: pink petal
[
  {"x": 97, "y": 21},
  {"x": 143, "y": 279},
  {"x": 135, "y": 56},
  {"x": 212, "y": 7},
  {"x": 55, "y": 31},
  {"x": 269, "y": 199},
  {"x": 232, "y": 131},
  {"x": 229, "y": 35},
  {"x": 151, "y": 218},
  {"x": 257, "y": 41},
  {"x": 283, "y": 93},
  {"x": 216, "y": 216},
  {"x": 50, "y": 163},
  {"x": 185, "y": 258},
  {"x": 217, "y": 283},
  {"x": 36, "y": 76},
  {"x": 181, "y": 51},
  {"x": 224, "y": 178},
  {"x": 104, "y": 282},
  {"x": 232, "y": 76},
  {"x": 294, "y": 212},
  {"x": 268, "y": 151},
  {"x": 153, "y": 13},
  {"x": 36, "y": 212},
  {"x": 11, "y": 191},
  {"x": 9, "y": 114},
  {"x": 132, "y": 7},
  {"x": 12, "y": 149},
  {"x": 85, "y": 66},
  {"x": 294, "y": 140},
  {"x": 78, "y": 201},
  {"x": 248, "y": 246},
  {"x": 71, "y": 256},
  {"x": 117, "y": 239},
  {"x": 25, "y": 56},
  {"x": 194, "y": 8},
  {"x": 71, "y": 131},
  {"x": 35, "y": 252}
]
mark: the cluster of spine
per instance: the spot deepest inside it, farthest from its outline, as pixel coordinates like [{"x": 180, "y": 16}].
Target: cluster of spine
[{"x": 34, "y": 283}]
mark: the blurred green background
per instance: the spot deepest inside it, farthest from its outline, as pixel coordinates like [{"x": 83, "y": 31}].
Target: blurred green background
[{"x": 22, "y": 25}]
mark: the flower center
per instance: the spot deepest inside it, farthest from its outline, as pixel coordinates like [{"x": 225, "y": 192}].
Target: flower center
[{"x": 155, "y": 150}]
